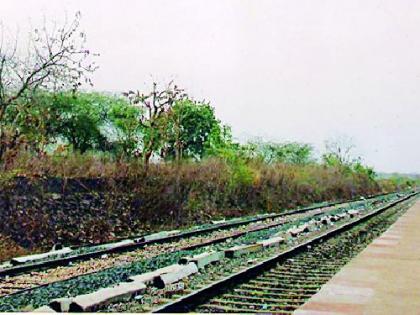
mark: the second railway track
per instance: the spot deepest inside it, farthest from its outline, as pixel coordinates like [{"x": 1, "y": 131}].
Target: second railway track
[{"x": 90, "y": 252}]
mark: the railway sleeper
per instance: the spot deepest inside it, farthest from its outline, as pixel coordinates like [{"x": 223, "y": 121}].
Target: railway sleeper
[
  {"x": 313, "y": 257},
  {"x": 291, "y": 270},
  {"x": 149, "y": 277},
  {"x": 282, "y": 284},
  {"x": 320, "y": 269},
  {"x": 217, "y": 222},
  {"x": 293, "y": 277},
  {"x": 321, "y": 266},
  {"x": 240, "y": 250},
  {"x": 292, "y": 281},
  {"x": 298, "y": 274},
  {"x": 122, "y": 243},
  {"x": 258, "y": 292},
  {"x": 270, "y": 300},
  {"x": 294, "y": 232},
  {"x": 94, "y": 301},
  {"x": 272, "y": 242},
  {"x": 165, "y": 279},
  {"x": 36, "y": 257},
  {"x": 210, "y": 308},
  {"x": 203, "y": 259},
  {"x": 158, "y": 236},
  {"x": 255, "y": 306},
  {"x": 299, "y": 290}
]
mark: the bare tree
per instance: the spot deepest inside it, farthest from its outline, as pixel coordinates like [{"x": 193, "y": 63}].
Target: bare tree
[
  {"x": 341, "y": 149},
  {"x": 156, "y": 108},
  {"x": 55, "y": 59}
]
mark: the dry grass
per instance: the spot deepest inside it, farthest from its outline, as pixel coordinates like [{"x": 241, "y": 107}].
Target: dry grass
[{"x": 9, "y": 248}]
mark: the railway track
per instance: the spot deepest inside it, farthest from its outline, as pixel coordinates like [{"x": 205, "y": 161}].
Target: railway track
[
  {"x": 89, "y": 252},
  {"x": 23, "y": 278},
  {"x": 282, "y": 283},
  {"x": 93, "y": 274}
]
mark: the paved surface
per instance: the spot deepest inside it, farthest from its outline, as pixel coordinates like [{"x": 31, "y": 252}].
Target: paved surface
[{"x": 383, "y": 279}]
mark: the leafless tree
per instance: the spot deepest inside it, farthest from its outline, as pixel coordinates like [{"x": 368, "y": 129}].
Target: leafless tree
[
  {"x": 341, "y": 148},
  {"x": 55, "y": 58},
  {"x": 155, "y": 110}
]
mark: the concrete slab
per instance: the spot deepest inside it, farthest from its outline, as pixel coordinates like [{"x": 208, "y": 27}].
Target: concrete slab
[
  {"x": 35, "y": 257},
  {"x": 240, "y": 250},
  {"x": 203, "y": 259},
  {"x": 383, "y": 279},
  {"x": 168, "y": 278},
  {"x": 92, "y": 301}
]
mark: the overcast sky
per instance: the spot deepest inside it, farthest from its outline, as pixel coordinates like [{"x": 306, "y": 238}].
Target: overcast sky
[{"x": 283, "y": 70}]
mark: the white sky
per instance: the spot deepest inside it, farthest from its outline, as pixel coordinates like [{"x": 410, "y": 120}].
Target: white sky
[{"x": 291, "y": 70}]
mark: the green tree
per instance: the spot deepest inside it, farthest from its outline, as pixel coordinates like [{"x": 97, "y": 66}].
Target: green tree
[
  {"x": 124, "y": 120},
  {"x": 359, "y": 168},
  {"x": 191, "y": 126},
  {"x": 289, "y": 153},
  {"x": 79, "y": 120},
  {"x": 86, "y": 121}
]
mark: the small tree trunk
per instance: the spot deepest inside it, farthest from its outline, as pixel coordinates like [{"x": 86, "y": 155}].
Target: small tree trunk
[{"x": 147, "y": 157}]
